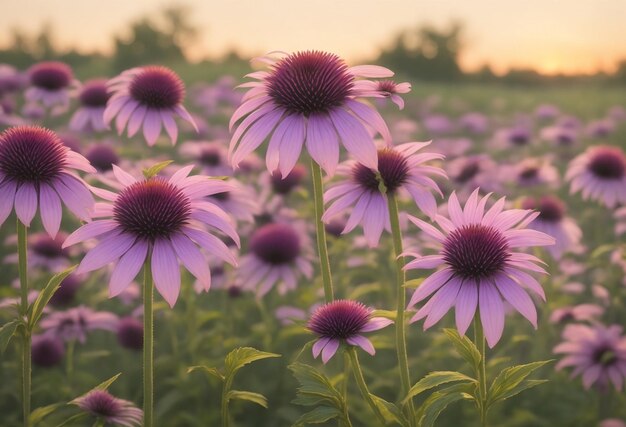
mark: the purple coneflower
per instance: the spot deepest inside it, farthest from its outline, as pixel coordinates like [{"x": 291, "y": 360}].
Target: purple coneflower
[
  {"x": 163, "y": 218},
  {"x": 47, "y": 350},
  {"x": 130, "y": 333},
  {"x": 36, "y": 171},
  {"x": 211, "y": 157},
  {"x": 597, "y": 352},
  {"x": 50, "y": 84},
  {"x": 399, "y": 168},
  {"x": 480, "y": 266},
  {"x": 240, "y": 201},
  {"x": 438, "y": 124},
  {"x": 285, "y": 184},
  {"x": 532, "y": 172},
  {"x": 44, "y": 252},
  {"x": 110, "y": 409},
  {"x": 277, "y": 255},
  {"x": 102, "y": 157},
  {"x": 308, "y": 98},
  {"x": 66, "y": 292},
  {"x": 343, "y": 321},
  {"x": 474, "y": 122},
  {"x": 577, "y": 313},
  {"x": 75, "y": 323},
  {"x": 151, "y": 96},
  {"x": 553, "y": 222},
  {"x": 93, "y": 97},
  {"x": 388, "y": 89},
  {"x": 475, "y": 171},
  {"x": 560, "y": 135},
  {"x": 599, "y": 174}
]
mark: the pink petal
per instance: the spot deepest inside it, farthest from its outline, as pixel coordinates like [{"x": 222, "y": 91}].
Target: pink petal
[
  {"x": 376, "y": 323},
  {"x": 370, "y": 116},
  {"x": 211, "y": 243},
  {"x": 291, "y": 146},
  {"x": 364, "y": 343},
  {"x": 371, "y": 71},
  {"x": 430, "y": 285},
  {"x": 355, "y": 138},
  {"x": 443, "y": 301},
  {"x": 165, "y": 271},
  {"x": 88, "y": 231},
  {"x": 517, "y": 297},
  {"x": 26, "y": 203},
  {"x": 322, "y": 143},
  {"x": 75, "y": 195},
  {"x": 319, "y": 345},
  {"x": 107, "y": 251},
  {"x": 136, "y": 119},
  {"x": 491, "y": 312},
  {"x": 170, "y": 125},
  {"x": 152, "y": 127},
  {"x": 50, "y": 208},
  {"x": 329, "y": 350},
  {"x": 7, "y": 195},
  {"x": 127, "y": 268},
  {"x": 192, "y": 259},
  {"x": 466, "y": 303}
]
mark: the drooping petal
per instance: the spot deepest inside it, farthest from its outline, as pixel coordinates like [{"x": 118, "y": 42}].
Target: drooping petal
[
  {"x": 165, "y": 271},
  {"x": 329, "y": 350},
  {"x": 466, "y": 303},
  {"x": 364, "y": 343},
  {"x": 322, "y": 143},
  {"x": 89, "y": 231},
  {"x": 107, "y": 251},
  {"x": 491, "y": 312},
  {"x": 127, "y": 268},
  {"x": 26, "y": 203},
  {"x": 50, "y": 208},
  {"x": 192, "y": 259}
]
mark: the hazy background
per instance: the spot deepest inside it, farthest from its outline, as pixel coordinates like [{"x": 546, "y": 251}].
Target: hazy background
[{"x": 547, "y": 36}]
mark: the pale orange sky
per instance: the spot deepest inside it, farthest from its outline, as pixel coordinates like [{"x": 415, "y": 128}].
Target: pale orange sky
[{"x": 550, "y": 35}]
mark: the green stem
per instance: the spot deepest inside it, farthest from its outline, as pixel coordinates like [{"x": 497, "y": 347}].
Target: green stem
[
  {"x": 225, "y": 389},
  {"x": 481, "y": 372},
  {"x": 403, "y": 362},
  {"x": 23, "y": 310},
  {"x": 360, "y": 381},
  {"x": 148, "y": 344},
  {"x": 344, "y": 389},
  {"x": 322, "y": 247}
]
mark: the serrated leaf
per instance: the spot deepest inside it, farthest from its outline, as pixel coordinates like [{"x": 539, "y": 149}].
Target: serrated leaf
[
  {"x": 155, "y": 169},
  {"x": 524, "y": 385},
  {"x": 319, "y": 415},
  {"x": 509, "y": 378},
  {"x": 439, "y": 400},
  {"x": 250, "y": 396},
  {"x": 435, "y": 379},
  {"x": 390, "y": 412},
  {"x": 211, "y": 371},
  {"x": 242, "y": 356},
  {"x": 40, "y": 413},
  {"x": 465, "y": 347},
  {"x": 312, "y": 382},
  {"x": 36, "y": 309},
  {"x": 106, "y": 384},
  {"x": 6, "y": 333}
]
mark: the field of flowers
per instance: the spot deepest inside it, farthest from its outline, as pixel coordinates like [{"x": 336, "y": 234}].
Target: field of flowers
[{"x": 309, "y": 242}]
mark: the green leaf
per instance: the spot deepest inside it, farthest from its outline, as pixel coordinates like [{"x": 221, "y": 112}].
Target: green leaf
[
  {"x": 242, "y": 356},
  {"x": 39, "y": 414},
  {"x": 465, "y": 347},
  {"x": 106, "y": 384},
  {"x": 36, "y": 309},
  {"x": 6, "y": 333},
  {"x": 71, "y": 421},
  {"x": 413, "y": 283},
  {"x": 155, "y": 169},
  {"x": 435, "y": 379},
  {"x": 319, "y": 415},
  {"x": 524, "y": 385},
  {"x": 510, "y": 378},
  {"x": 314, "y": 383},
  {"x": 387, "y": 314},
  {"x": 439, "y": 400},
  {"x": 211, "y": 371},
  {"x": 601, "y": 250},
  {"x": 257, "y": 398},
  {"x": 390, "y": 412}
]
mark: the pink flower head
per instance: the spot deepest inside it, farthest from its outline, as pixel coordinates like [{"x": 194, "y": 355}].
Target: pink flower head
[
  {"x": 36, "y": 171},
  {"x": 578, "y": 313},
  {"x": 93, "y": 97},
  {"x": 150, "y": 96},
  {"x": 399, "y": 168},
  {"x": 308, "y": 98},
  {"x": 597, "y": 352},
  {"x": 479, "y": 266},
  {"x": 50, "y": 84},
  {"x": 552, "y": 221},
  {"x": 210, "y": 156},
  {"x": 110, "y": 409},
  {"x": 161, "y": 218},
  {"x": 599, "y": 174},
  {"x": 343, "y": 321},
  {"x": 75, "y": 323},
  {"x": 532, "y": 172},
  {"x": 388, "y": 89},
  {"x": 278, "y": 256}
]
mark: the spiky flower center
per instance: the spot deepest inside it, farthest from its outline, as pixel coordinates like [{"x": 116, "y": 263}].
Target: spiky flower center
[
  {"x": 550, "y": 208},
  {"x": 102, "y": 157},
  {"x": 284, "y": 185},
  {"x": 31, "y": 154},
  {"x": 388, "y": 87},
  {"x": 102, "y": 404},
  {"x": 276, "y": 244},
  {"x": 476, "y": 251},
  {"x": 94, "y": 93},
  {"x": 152, "y": 209},
  {"x": 157, "y": 87},
  {"x": 607, "y": 163},
  {"x": 51, "y": 76},
  {"x": 393, "y": 168},
  {"x": 310, "y": 82},
  {"x": 339, "y": 319},
  {"x": 468, "y": 171}
]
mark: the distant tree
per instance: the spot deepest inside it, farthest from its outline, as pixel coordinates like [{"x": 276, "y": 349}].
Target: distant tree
[
  {"x": 427, "y": 53},
  {"x": 150, "y": 41},
  {"x": 620, "y": 74}
]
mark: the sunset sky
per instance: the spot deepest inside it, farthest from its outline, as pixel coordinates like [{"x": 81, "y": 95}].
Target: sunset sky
[{"x": 550, "y": 35}]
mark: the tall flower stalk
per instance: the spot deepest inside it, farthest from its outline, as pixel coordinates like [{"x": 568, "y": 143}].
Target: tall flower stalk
[
  {"x": 320, "y": 231},
  {"x": 148, "y": 343},
  {"x": 403, "y": 362},
  {"x": 481, "y": 374},
  {"x": 27, "y": 338}
]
